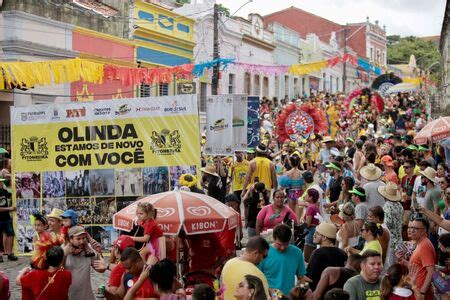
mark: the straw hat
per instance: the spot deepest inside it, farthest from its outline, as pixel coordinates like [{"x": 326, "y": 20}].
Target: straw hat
[
  {"x": 55, "y": 213},
  {"x": 429, "y": 173},
  {"x": 370, "y": 172},
  {"x": 390, "y": 191},
  {"x": 261, "y": 148},
  {"x": 327, "y": 139},
  {"x": 211, "y": 170},
  {"x": 327, "y": 229}
]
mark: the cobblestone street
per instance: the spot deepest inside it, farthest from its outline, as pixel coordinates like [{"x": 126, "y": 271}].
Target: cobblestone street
[{"x": 12, "y": 268}]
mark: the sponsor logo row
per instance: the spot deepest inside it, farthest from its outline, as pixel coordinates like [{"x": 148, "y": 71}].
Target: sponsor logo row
[{"x": 123, "y": 110}]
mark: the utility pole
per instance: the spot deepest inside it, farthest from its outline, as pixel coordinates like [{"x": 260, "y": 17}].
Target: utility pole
[
  {"x": 344, "y": 75},
  {"x": 216, "y": 53}
]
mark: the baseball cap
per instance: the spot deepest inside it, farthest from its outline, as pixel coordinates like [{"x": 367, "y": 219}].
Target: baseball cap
[
  {"x": 333, "y": 165},
  {"x": 358, "y": 191},
  {"x": 387, "y": 160},
  {"x": 76, "y": 231},
  {"x": 123, "y": 242}
]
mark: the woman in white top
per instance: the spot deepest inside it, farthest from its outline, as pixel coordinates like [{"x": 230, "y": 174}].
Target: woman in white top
[{"x": 348, "y": 234}]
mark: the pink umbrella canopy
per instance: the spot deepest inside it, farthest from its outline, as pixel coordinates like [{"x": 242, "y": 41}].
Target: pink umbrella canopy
[
  {"x": 434, "y": 131},
  {"x": 195, "y": 213}
]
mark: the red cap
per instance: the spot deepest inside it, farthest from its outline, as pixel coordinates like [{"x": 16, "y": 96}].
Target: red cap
[
  {"x": 123, "y": 242},
  {"x": 387, "y": 160}
]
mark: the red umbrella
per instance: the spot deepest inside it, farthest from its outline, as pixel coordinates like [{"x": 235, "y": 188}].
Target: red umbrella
[
  {"x": 196, "y": 213},
  {"x": 436, "y": 130}
]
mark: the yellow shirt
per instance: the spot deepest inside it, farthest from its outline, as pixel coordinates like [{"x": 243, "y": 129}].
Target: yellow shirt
[
  {"x": 401, "y": 172},
  {"x": 373, "y": 245},
  {"x": 263, "y": 172},
  {"x": 239, "y": 171},
  {"x": 233, "y": 273}
]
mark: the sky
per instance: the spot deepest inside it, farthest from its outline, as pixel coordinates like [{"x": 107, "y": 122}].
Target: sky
[{"x": 402, "y": 17}]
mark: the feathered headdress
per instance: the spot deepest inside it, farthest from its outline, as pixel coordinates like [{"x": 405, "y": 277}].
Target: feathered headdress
[{"x": 298, "y": 122}]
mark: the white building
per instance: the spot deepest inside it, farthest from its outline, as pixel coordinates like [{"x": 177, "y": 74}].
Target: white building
[{"x": 28, "y": 37}]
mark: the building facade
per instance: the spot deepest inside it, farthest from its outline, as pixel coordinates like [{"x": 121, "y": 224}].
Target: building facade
[
  {"x": 444, "y": 49},
  {"x": 326, "y": 39},
  {"x": 161, "y": 38},
  {"x": 117, "y": 32}
]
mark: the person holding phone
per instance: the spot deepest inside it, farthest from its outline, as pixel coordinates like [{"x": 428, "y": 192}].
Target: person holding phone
[{"x": 255, "y": 199}]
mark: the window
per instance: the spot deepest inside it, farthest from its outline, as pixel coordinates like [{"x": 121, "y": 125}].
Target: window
[
  {"x": 266, "y": 86},
  {"x": 286, "y": 86},
  {"x": 331, "y": 84},
  {"x": 378, "y": 55},
  {"x": 303, "y": 85},
  {"x": 257, "y": 87},
  {"x": 371, "y": 54},
  {"x": 277, "y": 86},
  {"x": 231, "y": 79},
  {"x": 324, "y": 78},
  {"x": 203, "y": 92},
  {"x": 337, "y": 84},
  {"x": 296, "y": 87},
  {"x": 164, "y": 89},
  {"x": 247, "y": 83},
  {"x": 145, "y": 90}
]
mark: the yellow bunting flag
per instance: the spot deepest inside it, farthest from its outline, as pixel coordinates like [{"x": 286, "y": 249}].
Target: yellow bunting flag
[
  {"x": 413, "y": 80},
  {"x": 301, "y": 69},
  {"x": 28, "y": 74}
]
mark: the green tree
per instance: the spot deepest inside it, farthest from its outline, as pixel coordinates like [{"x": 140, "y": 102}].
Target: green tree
[
  {"x": 224, "y": 10},
  {"x": 392, "y": 39},
  {"x": 426, "y": 53}
]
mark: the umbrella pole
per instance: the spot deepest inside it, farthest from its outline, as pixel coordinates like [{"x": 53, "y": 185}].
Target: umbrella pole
[{"x": 178, "y": 257}]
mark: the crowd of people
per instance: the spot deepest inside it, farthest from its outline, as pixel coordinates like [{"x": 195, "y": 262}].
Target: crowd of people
[{"x": 357, "y": 212}]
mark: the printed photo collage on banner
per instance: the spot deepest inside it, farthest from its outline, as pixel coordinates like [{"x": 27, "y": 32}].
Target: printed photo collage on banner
[
  {"x": 94, "y": 194},
  {"x": 98, "y": 157}
]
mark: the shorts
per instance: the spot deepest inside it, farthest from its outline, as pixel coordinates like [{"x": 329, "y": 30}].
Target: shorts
[
  {"x": 7, "y": 227},
  {"x": 309, "y": 239},
  {"x": 293, "y": 195}
]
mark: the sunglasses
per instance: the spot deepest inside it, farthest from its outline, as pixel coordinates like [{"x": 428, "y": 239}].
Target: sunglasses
[{"x": 416, "y": 216}]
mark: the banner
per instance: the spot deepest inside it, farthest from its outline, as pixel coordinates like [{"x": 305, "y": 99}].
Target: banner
[
  {"x": 253, "y": 122},
  {"x": 219, "y": 125},
  {"x": 240, "y": 123},
  {"x": 98, "y": 157}
]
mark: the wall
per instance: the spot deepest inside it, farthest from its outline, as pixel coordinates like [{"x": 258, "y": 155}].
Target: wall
[
  {"x": 102, "y": 48},
  {"x": 162, "y": 37},
  {"x": 61, "y": 11},
  {"x": 304, "y": 22},
  {"x": 28, "y": 37},
  {"x": 357, "y": 38}
]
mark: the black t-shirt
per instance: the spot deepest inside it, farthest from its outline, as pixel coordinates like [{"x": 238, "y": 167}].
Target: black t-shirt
[
  {"x": 335, "y": 189},
  {"x": 253, "y": 209},
  {"x": 321, "y": 259},
  {"x": 215, "y": 188},
  {"x": 5, "y": 197}
]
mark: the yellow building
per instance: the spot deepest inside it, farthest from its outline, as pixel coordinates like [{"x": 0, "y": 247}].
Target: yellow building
[{"x": 162, "y": 38}]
